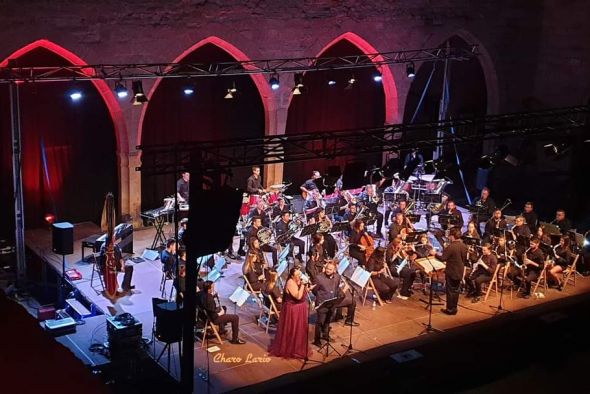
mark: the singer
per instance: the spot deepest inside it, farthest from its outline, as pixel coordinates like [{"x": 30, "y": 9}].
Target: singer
[{"x": 291, "y": 338}]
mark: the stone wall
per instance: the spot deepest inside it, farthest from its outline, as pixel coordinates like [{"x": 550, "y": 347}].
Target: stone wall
[{"x": 535, "y": 54}]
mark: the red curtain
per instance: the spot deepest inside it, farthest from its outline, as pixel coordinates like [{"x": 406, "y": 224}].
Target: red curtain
[
  {"x": 172, "y": 117},
  {"x": 68, "y": 148},
  {"x": 322, "y": 108}
]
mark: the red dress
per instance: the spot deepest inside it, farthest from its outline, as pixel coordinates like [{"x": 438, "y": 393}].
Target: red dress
[{"x": 291, "y": 339}]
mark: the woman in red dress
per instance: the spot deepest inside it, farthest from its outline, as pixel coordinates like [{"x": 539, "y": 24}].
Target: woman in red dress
[{"x": 291, "y": 340}]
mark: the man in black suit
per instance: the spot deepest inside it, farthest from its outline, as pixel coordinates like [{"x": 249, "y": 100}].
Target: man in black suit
[
  {"x": 455, "y": 256},
  {"x": 218, "y": 315}
]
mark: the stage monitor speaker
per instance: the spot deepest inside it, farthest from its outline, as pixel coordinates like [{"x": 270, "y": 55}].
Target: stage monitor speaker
[
  {"x": 63, "y": 238},
  {"x": 353, "y": 176}
]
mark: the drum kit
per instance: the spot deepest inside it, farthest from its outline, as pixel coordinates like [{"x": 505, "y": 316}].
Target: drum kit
[{"x": 270, "y": 198}]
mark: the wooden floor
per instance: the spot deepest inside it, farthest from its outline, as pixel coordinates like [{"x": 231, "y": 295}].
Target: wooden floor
[{"x": 236, "y": 366}]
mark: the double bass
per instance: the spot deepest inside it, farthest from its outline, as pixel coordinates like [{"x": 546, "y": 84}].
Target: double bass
[
  {"x": 110, "y": 263},
  {"x": 369, "y": 243}
]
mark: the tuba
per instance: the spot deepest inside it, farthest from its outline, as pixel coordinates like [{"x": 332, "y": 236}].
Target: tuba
[
  {"x": 264, "y": 235},
  {"x": 325, "y": 226}
]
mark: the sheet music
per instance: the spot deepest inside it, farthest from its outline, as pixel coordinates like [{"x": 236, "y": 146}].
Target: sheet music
[
  {"x": 343, "y": 264},
  {"x": 219, "y": 263},
  {"x": 284, "y": 252},
  {"x": 427, "y": 263},
  {"x": 203, "y": 259},
  {"x": 360, "y": 277},
  {"x": 239, "y": 296},
  {"x": 282, "y": 267},
  {"x": 213, "y": 275}
]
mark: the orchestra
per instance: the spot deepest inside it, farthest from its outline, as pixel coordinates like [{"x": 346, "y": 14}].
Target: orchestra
[{"x": 467, "y": 257}]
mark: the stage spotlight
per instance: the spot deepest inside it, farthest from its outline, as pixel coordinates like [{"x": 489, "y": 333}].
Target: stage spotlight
[
  {"x": 410, "y": 70},
  {"x": 121, "y": 90},
  {"x": 274, "y": 82},
  {"x": 189, "y": 89},
  {"x": 76, "y": 93},
  {"x": 501, "y": 154},
  {"x": 298, "y": 79},
  {"x": 377, "y": 77},
  {"x": 139, "y": 96},
  {"x": 230, "y": 92},
  {"x": 49, "y": 218},
  {"x": 331, "y": 82}
]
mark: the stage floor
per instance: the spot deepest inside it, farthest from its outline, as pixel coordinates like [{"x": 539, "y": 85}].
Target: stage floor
[{"x": 236, "y": 366}]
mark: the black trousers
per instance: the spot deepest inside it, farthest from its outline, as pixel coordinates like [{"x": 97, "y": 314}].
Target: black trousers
[
  {"x": 453, "y": 287},
  {"x": 359, "y": 255},
  {"x": 386, "y": 217},
  {"x": 379, "y": 217},
  {"x": 322, "y": 325},
  {"x": 233, "y": 319},
  {"x": 531, "y": 275},
  {"x": 476, "y": 280},
  {"x": 386, "y": 286},
  {"x": 350, "y": 304},
  {"x": 407, "y": 276},
  {"x": 300, "y": 247}
]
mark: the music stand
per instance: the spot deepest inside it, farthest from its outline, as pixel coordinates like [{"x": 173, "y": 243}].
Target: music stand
[
  {"x": 349, "y": 347},
  {"x": 413, "y": 236},
  {"x": 428, "y": 326},
  {"x": 414, "y": 218},
  {"x": 330, "y": 304},
  {"x": 471, "y": 241},
  {"x": 310, "y": 229},
  {"x": 432, "y": 198},
  {"x": 340, "y": 226},
  {"x": 445, "y": 219}
]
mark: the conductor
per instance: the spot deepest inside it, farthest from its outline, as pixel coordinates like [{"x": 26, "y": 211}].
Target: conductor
[{"x": 455, "y": 256}]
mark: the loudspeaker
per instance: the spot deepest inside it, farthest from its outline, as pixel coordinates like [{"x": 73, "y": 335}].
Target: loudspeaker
[
  {"x": 63, "y": 238},
  {"x": 168, "y": 322},
  {"x": 353, "y": 176}
]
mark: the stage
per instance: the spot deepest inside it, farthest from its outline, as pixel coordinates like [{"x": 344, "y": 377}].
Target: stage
[{"x": 235, "y": 366}]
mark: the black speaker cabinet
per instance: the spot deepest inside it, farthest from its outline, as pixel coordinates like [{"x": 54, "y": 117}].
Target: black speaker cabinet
[{"x": 63, "y": 238}]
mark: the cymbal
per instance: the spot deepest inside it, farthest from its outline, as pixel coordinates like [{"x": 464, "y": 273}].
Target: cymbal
[{"x": 277, "y": 186}]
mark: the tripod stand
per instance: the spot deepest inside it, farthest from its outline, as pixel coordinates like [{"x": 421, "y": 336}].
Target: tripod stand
[
  {"x": 428, "y": 327},
  {"x": 349, "y": 348},
  {"x": 327, "y": 345},
  {"x": 500, "y": 308}
]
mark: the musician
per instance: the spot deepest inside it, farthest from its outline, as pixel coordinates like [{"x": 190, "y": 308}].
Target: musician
[
  {"x": 371, "y": 201},
  {"x": 168, "y": 258},
  {"x": 330, "y": 242},
  {"x": 120, "y": 265},
  {"x": 563, "y": 258},
  {"x": 355, "y": 247},
  {"x": 521, "y": 234},
  {"x": 282, "y": 227},
  {"x": 471, "y": 231},
  {"x": 253, "y": 233},
  {"x": 402, "y": 207},
  {"x": 562, "y": 222},
  {"x": 399, "y": 228},
  {"x": 350, "y": 213},
  {"x": 533, "y": 264},
  {"x": 455, "y": 256},
  {"x": 395, "y": 255},
  {"x": 385, "y": 285},
  {"x": 345, "y": 295},
  {"x": 530, "y": 216},
  {"x": 424, "y": 246},
  {"x": 483, "y": 272},
  {"x": 317, "y": 257},
  {"x": 313, "y": 203},
  {"x": 485, "y": 207},
  {"x": 254, "y": 183},
  {"x": 310, "y": 184},
  {"x": 280, "y": 208},
  {"x": 182, "y": 187},
  {"x": 260, "y": 211},
  {"x": 413, "y": 159},
  {"x": 272, "y": 289},
  {"x": 502, "y": 251},
  {"x": 180, "y": 281},
  {"x": 497, "y": 221},
  {"x": 183, "y": 225},
  {"x": 218, "y": 314},
  {"x": 327, "y": 286},
  {"x": 255, "y": 267}
]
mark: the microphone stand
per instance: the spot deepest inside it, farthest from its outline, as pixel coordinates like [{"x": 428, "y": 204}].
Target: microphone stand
[
  {"x": 428, "y": 327},
  {"x": 500, "y": 308},
  {"x": 306, "y": 359},
  {"x": 349, "y": 348}
]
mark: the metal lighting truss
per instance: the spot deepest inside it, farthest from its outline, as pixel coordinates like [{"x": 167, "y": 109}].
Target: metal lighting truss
[
  {"x": 175, "y": 158},
  {"x": 182, "y": 70}
]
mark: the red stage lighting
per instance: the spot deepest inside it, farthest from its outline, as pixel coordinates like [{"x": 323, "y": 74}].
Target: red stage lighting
[{"x": 50, "y": 218}]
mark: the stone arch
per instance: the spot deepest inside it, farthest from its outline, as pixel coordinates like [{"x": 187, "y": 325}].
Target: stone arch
[
  {"x": 102, "y": 87},
  {"x": 258, "y": 79}
]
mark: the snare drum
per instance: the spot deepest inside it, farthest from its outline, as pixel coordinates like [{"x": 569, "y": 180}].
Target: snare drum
[
  {"x": 254, "y": 198},
  {"x": 273, "y": 197},
  {"x": 245, "y": 209}
]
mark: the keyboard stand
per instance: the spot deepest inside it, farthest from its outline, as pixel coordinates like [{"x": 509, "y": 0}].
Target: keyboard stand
[{"x": 159, "y": 238}]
